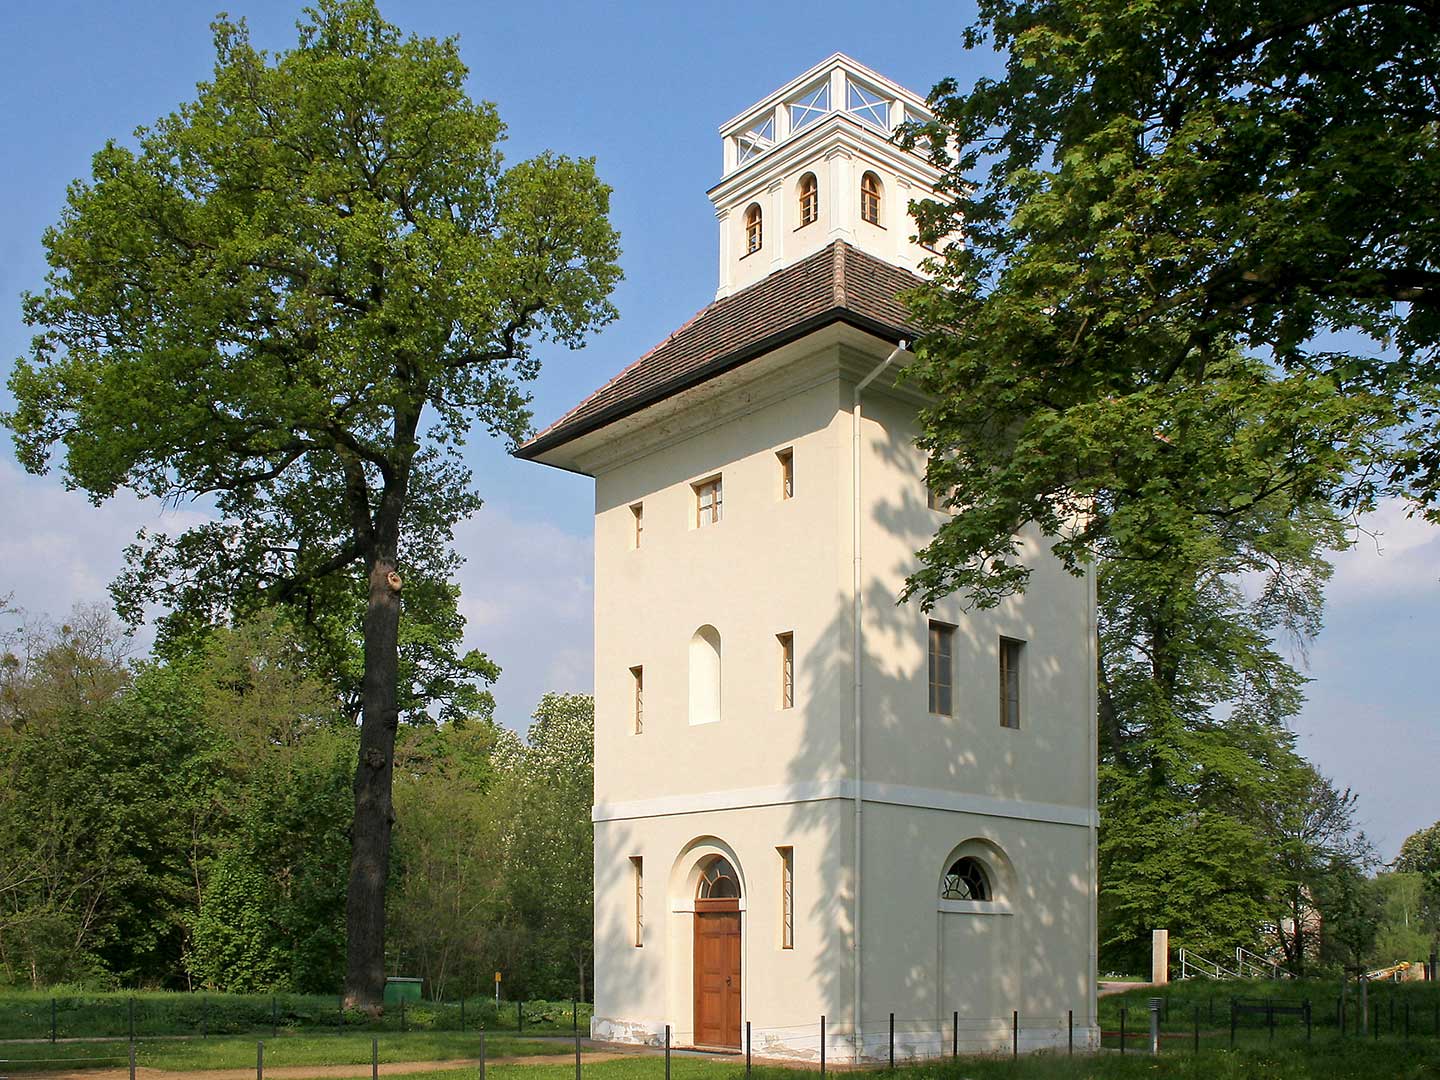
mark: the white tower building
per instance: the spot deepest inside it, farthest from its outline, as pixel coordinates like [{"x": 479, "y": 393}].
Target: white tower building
[{"x": 809, "y": 800}]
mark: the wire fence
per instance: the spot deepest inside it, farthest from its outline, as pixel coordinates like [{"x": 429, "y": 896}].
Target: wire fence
[
  {"x": 94, "y": 1016},
  {"x": 1161, "y": 1025}
]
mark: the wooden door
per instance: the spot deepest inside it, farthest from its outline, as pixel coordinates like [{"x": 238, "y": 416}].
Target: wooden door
[{"x": 717, "y": 978}]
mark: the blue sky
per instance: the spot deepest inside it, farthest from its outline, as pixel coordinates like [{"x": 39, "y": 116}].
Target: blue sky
[{"x": 641, "y": 87}]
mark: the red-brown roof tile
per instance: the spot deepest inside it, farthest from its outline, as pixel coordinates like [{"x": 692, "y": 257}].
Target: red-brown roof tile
[{"x": 837, "y": 284}]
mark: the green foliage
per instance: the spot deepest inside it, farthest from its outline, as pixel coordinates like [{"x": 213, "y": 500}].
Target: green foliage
[
  {"x": 1147, "y": 189},
  {"x": 1405, "y": 931},
  {"x": 272, "y": 915},
  {"x": 296, "y": 297},
  {"x": 552, "y": 847}
]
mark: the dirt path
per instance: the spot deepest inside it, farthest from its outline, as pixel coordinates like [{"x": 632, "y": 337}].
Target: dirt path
[{"x": 318, "y": 1072}]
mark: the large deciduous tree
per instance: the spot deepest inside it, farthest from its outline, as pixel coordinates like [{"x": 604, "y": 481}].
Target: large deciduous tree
[
  {"x": 1147, "y": 188},
  {"x": 297, "y": 295}
]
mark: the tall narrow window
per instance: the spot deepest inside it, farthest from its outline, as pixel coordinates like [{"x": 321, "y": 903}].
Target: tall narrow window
[
  {"x": 787, "y": 670},
  {"x": 708, "y": 502},
  {"x": 754, "y": 230},
  {"x": 637, "y": 871},
  {"x": 705, "y": 676},
  {"x": 942, "y": 687},
  {"x": 870, "y": 191},
  {"x": 637, "y": 680},
  {"x": 637, "y": 511},
  {"x": 809, "y": 199},
  {"x": 1011, "y": 652},
  {"x": 787, "y": 897},
  {"x": 786, "y": 458}
]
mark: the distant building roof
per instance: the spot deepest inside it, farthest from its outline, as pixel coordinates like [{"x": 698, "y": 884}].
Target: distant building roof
[{"x": 839, "y": 283}]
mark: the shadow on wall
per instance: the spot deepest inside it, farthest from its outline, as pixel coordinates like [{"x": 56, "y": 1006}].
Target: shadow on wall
[{"x": 920, "y": 963}]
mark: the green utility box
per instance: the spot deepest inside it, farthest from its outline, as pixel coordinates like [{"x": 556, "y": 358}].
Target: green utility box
[{"x": 398, "y": 989}]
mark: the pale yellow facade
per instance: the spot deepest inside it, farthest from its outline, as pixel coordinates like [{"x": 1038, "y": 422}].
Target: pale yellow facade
[{"x": 681, "y": 779}]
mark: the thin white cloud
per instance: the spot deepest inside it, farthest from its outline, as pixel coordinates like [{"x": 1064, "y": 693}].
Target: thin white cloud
[
  {"x": 1393, "y": 553},
  {"x": 57, "y": 549}
]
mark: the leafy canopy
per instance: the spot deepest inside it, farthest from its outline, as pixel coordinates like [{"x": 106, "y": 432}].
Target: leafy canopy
[
  {"x": 296, "y": 296},
  {"x": 1152, "y": 192}
]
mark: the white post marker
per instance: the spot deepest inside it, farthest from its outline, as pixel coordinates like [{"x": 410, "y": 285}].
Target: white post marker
[{"x": 497, "y": 991}]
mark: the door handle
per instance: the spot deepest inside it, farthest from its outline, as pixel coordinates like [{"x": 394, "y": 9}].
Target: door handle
[{"x": 727, "y": 980}]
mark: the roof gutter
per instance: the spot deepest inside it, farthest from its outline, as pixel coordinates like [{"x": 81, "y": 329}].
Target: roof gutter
[{"x": 543, "y": 443}]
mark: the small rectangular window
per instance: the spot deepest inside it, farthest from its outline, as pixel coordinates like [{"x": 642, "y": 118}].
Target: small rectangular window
[
  {"x": 786, "y": 458},
  {"x": 1011, "y": 653},
  {"x": 708, "y": 502},
  {"x": 637, "y": 678},
  {"x": 637, "y": 871},
  {"x": 638, "y": 512},
  {"x": 787, "y": 897},
  {"x": 942, "y": 638},
  {"x": 787, "y": 669}
]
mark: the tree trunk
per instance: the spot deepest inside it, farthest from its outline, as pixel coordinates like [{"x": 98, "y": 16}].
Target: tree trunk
[{"x": 374, "y": 815}]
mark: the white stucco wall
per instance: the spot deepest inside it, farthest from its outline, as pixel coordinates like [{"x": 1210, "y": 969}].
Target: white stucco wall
[{"x": 763, "y": 777}]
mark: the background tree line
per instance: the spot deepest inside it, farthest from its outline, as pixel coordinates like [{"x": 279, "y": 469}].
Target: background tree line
[{"x": 183, "y": 821}]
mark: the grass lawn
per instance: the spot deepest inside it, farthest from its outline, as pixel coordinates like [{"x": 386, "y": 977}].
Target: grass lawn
[
  {"x": 84, "y": 1014},
  {"x": 1332, "y": 1062},
  {"x": 184, "y": 1055}
]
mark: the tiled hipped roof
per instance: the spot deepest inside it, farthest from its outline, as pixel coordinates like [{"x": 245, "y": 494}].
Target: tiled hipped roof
[{"x": 836, "y": 284}]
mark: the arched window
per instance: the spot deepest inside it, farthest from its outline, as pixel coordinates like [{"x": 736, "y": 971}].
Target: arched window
[
  {"x": 870, "y": 192},
  {"x": 705, "y": 676},
  {"x": 718, "y": 881},
  {"x": 966, "y": 880},
  {"x": 754, "y": 235},
  {"x": 809, "y": 198}
]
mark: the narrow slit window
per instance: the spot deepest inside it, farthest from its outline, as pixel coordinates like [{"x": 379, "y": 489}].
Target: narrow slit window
[
  {"x": 637, "y": 871},
  {"x": 786, "y": 458},
  {"x": 637, "y": 680},
  {"x": 787, "y": 670},
  {"x": 637, "y": 511},
  {"x": 1011, "y": 655},
  {"x": 708, "y": 502},
  {"x": 787, "y": 897},
  {"x": 942, "y": 688}
]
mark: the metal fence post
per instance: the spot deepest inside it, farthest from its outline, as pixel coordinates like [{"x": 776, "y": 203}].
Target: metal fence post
[
  {"x": 1070, "y": 1032},
  {"x": 259, "y": 1061},
  {"x": 1270, "y": 1017},
  {"x": 1196, "y": 1010},
  {"x": 52, "y": 1020},
  {"x": 822, "y": 1043},
  {"x": 519, "y": 1017},
  {"x": 462, "y": 1014},
  {"x": 131, "y": 1005},
  {"x": 747, "y": 1047},
  {"x": 274, "y": 1017},
  {"x": 667, "y": 1052},
  {"x": 1122, "y": 1028},
  {"x": 1014, "y": 1033},
  {"x": 955, "y": 1035},
  {"x": 340, "y": 1014},
  {"x": 132, "y": 1061},
  {"x": 574, "y": 1014},
  {"x": 892, "y": 1040},
  {"x": 577, "y": 1052},
  {"x": 204, "y": 1017},
  {"x": 1154, "y": 1026},
  {"x": 482, "y": 1052},
  {"x": 1308, "y": 1022}
]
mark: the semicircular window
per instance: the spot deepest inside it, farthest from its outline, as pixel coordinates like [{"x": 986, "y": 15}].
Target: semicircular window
[
  {"x": 718, "y": 881},
  {"x": 965, "y": 880}
]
